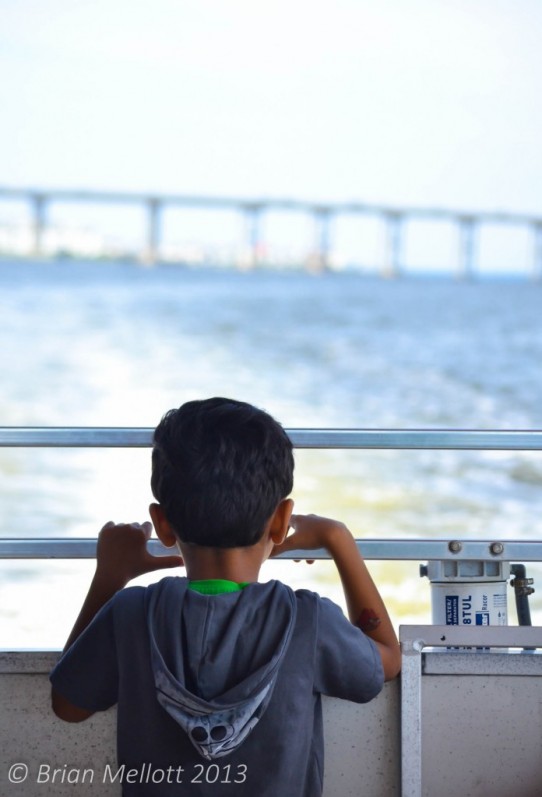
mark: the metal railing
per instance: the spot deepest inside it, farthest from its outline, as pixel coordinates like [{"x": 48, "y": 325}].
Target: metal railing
[
  {"x": 378, "y": 549},
  {"x": 137, "y": 437}
]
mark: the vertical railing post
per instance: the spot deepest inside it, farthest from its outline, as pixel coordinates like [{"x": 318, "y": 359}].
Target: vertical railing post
[
  {"x": 154, "y": 212},
  {"x": 411, "y": 715},
  {"x": 392, "y": 257}
]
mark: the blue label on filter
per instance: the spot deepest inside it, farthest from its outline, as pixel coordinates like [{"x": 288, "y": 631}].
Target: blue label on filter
[
  {"x": 482, "y": 618},
  {"x": 452, "y": 610}
]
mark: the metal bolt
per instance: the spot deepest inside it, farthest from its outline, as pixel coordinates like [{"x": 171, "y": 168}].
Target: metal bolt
[
  {"x": 454, "y": 546},
  {"x": 423, "y": 570},
  {"x": 496, "y": 548}
]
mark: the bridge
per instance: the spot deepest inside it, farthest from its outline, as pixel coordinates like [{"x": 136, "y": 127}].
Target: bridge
[{"x": 395, "y": 219}]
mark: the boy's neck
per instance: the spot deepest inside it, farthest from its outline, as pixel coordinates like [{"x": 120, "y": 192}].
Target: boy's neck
[{"x": 230, "y": 564}]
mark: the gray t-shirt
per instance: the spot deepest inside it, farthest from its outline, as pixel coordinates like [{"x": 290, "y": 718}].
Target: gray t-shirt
[{"x": 218, "y": 694}]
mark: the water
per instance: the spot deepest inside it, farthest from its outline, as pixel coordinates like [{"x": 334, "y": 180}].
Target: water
[{"x": 116, "y": 345}]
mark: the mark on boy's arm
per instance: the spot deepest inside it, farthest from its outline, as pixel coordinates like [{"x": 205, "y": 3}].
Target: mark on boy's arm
[{"x": 368, "y": 621}]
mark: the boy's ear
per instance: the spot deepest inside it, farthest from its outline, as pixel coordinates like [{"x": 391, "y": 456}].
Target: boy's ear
[
  {"x": 278, "y": 528},
  {"x": 162, "y": 526}
]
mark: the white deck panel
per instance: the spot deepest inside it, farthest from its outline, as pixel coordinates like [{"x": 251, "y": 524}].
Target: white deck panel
[
  {"x": 362, "y": 742},
  {"x": 481, "y": 732}
]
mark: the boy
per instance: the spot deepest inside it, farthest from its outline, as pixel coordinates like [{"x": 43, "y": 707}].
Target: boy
[{"x": 218, "y": 677}]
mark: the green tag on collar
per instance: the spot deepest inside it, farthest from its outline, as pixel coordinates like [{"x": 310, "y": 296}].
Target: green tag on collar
[{"x": 216, "y": 586}]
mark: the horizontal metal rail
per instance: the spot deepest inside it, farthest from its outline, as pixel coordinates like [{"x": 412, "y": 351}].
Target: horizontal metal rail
[
  {"x": 377, "y": 549},
  {"x": 414, "y": 638},
  {"x": 133, "y": 437}
]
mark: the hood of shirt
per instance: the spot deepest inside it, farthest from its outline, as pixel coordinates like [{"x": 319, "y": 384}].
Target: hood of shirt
[{"x": 215, "y": 658}]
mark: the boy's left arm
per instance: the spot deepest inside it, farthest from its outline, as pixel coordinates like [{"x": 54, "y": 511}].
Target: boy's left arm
[
  {"x": 121, "y": 555},
  {"x": 366, "y": 608}
]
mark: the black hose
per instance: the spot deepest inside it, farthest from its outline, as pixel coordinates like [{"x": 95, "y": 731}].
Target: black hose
[{"x": 522, "y": 590}]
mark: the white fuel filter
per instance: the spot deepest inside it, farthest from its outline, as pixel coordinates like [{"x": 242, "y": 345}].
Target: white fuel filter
[{"x": 465, "y": 592}]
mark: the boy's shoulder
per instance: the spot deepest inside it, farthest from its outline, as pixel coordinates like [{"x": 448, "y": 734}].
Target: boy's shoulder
[{"x": 165, "y": 599}]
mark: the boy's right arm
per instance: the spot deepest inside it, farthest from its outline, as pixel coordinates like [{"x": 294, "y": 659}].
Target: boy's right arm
[
  {"x": 366, "y": 608},
  {"x": 121, "y": 556}
]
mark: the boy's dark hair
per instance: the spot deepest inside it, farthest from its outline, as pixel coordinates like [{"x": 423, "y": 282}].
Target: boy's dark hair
[{"x": 219, "y": 470}]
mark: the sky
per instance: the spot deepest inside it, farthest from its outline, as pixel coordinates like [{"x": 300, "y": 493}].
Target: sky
[{"x": 402, "y": 102}]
